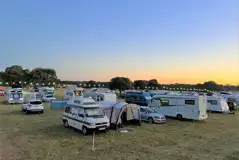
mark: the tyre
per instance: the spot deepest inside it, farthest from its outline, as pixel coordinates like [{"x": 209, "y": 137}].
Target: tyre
[
  {"x": 180, "y": 117},
  {"x": 27, "y": 111},
  {"x": 84, "y": 130},
  {"x": 42, "y": 111},
  {"x": 66, "y": 125},
  {"x": 150, "y": 120}
]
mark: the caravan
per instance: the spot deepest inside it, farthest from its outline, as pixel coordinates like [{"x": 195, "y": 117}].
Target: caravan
[
  {"x": 73, "y": 93},
  {"x": 14, "y": 95},
  {"x": 217, "y": 104},
  {"x": 188, "y": 107},
  {"x": 100, "y": 95},
  {"x": 48, "y": 95}
]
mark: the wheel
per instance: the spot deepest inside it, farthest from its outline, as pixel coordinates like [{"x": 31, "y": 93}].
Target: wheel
[
  {"x": 150, "y": 120},
  {"x": 179, "y": 116},
  {"x": 66, "y": 124},
  {"x": 27, "y": 111},
  {"x": 42, "y": 111},
  {"x": 84, "y": 130}
]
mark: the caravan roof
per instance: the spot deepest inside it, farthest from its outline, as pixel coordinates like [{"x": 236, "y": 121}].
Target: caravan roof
[{"x": 176, "y": 96}]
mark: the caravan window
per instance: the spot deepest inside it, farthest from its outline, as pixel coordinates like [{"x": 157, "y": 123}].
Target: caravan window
[
  {"x": 164, "y": 102},
  {"x": 190, "y": 102},
  {"x": 212, "y": 102}
]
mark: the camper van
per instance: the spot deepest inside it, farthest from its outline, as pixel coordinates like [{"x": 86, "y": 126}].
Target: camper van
[
  {"x": 181, "y": 107},
  {"x": 138, "y": 97},
  {"x": 85, "y": 114},
  {"x": 101, "y": 96},
  {"x": 14, "y": 95},
  {"x": 217, "y": 104},
  {"x": 73, "y": 93}
]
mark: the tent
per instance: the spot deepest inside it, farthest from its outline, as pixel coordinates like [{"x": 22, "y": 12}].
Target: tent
[{"x": 120, "y": 113}]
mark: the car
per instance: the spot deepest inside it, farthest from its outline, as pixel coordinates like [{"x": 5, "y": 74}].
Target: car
[
  {"x": 34, "y": 105},
  {"x": 150, "y": 115}
]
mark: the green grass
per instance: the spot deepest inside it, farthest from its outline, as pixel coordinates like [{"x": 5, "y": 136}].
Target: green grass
[{"x": 43, "y": 137}]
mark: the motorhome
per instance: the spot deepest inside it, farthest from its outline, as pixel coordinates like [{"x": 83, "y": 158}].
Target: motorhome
[
  {"x": 73, "y": 93},
  {"x": 217, "y": 104},
  {"x": 101, "y": 95},
  {"x": 85, "y": 114},
  {"x": 180, "y": 106},
  {"x": 14, "y": 95}
]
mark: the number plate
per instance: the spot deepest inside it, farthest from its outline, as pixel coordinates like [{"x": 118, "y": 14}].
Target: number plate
[{"x": 102, "y": 128}]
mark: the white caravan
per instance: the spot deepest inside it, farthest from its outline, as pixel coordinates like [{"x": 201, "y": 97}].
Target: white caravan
[
  {"x": 99, "y": 95},
  {"x": 187, "y": 107},
  {"x": 85, "y": 114},
  {"x": 14, "y": 95},
  {"x": 73, "y": 93},
  {"x": 217, "y": 104}
]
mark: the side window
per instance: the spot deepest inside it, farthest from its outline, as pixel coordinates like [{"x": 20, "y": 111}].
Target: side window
[
  {"x": 141, "y": 97},
  {"x": 142, "y": 110},
  {"x": 164, "y": 102},
  {"x": 81, "y": 112},
  {"x": 212, "y": 102},
  {"x": 190, "y": 102},
  {"x": 67, "y": 109},
  {"x": 156, "y": 99},
  {"x": 73, "y": 111}
]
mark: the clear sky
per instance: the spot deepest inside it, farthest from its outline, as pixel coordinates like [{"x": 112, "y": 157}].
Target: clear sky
[{"x": 180, "y": 41}]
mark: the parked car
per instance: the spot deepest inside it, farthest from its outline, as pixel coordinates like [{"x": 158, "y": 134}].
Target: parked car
[
  {"x": 34, "y": 105},
  {"x": 150, "y": 115}
]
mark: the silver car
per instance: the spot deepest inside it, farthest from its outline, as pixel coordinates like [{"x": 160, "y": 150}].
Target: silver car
[{"x": 150, "y": 115}]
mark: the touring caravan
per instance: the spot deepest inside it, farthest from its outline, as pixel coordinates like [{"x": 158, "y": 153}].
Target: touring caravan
[
  {"x": 121, "y": 113},
  {"x": 14, "y": 95},
  {"x": 181, "y": 107},
  {"x": 101, "y": 96},
  {"x": 217, "y": 104},
  {"x": 73, "y": 92}
]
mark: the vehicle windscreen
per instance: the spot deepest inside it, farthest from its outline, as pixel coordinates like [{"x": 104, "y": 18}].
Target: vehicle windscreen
[
  {"x": 146, "y": 94},
  {"x": 94, "y": 112},
  {"x": 150, "y": 110},
  {"x": 35, "y": 102}
]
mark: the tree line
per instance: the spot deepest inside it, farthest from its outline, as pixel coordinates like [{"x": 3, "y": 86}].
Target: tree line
[{"x": 45, "y": 76}]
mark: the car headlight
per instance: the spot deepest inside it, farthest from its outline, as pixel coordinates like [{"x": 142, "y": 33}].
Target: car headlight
[{"x": 92, "y": 124}]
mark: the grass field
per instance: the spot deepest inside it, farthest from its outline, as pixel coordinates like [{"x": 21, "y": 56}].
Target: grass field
[{"x": 43, "y": 137}]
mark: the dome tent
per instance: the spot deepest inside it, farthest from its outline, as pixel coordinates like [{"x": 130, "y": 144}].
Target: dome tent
[{"x": 121, "y": 113}]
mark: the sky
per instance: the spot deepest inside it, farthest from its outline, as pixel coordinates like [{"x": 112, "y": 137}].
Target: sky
[{"x": 173, "y": 41}]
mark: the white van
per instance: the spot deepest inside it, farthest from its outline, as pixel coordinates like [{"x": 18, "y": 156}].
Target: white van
[
  {"x": 14, "y": 95},
  {"x": 187, "y": 107},
  {"x": 98, "y": 96},
  {"x": 73, "y": 93},
  {"x": 85, "y": 114},
  {"x": 217, "y": 104}
]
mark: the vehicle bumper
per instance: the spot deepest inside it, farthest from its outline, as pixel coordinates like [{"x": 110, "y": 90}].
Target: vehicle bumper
[
  {"x": 159, "y": 121},
  {"x": 34, "y": 110},
  {"x": 99, "y": 128},
  {"x": 15, "y": 101}
]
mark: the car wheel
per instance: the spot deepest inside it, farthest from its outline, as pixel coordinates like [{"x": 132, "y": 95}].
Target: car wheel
[
  {"x": 151, "y": 120},
  {"x": 84, "y": 130},
  {"x": 27, "y": 111},
  {"x": 66, "y": 124},
  {"x": 42, "y": 111},
  {"x": 179, "y": 116}
]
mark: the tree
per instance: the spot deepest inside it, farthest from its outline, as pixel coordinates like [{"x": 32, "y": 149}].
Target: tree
[
  {"x": 153, "y": 83},
  {"x": 120, "y": 83},
  {"x": 14, "y": 73},
  {"x": 211, "y": 85},
  {"x": 141, "y": 84},
  {"x": 91, "y": 83}
]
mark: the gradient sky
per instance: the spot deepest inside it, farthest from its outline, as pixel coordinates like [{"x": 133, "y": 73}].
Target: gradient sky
[{"x": 179, "y": 41}]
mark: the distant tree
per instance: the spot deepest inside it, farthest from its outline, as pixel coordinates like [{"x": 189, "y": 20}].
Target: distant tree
[
  {"x": 91, "y": 83},
  {"x": 153, "y": 83},
  {"x": 141, "y": 84},
  {"x": 121, "y": 83},
  {"x": 211, "y": 85}
]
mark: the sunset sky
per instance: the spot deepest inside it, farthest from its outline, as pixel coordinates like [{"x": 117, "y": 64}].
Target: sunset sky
[{"x": 174, "y": 41}]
